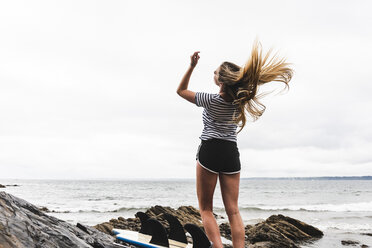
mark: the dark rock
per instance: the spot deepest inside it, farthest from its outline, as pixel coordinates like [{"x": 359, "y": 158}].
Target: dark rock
[
  {"x": 44, "y": 209},
  {"x": 263, "y": 244},
  {"x": 349, "y": 242},
  {"x": 307, "y": 229},
  {"x": 107, "y": 228},
  {"x": 280, "y": 231},
  {"x": 24, "y": 225},
  {"x": 2, "y": 186},
  {"x": 266, "y": 235},
  {"x": 225, "y": 230},
  {"x": 368, "y": 234},
  {"x": 353, "y": 243},
  {"x": 12, "y": 185},
  {"x": 82, "y": 227}
]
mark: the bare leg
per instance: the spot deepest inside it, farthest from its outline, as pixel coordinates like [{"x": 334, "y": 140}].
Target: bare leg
[
  {"x": 205, "y": 185},
  {"x": 230, "y": 192}
]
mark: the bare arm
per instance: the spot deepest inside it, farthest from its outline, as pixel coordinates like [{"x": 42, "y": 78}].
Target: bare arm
[{"x": 182, "y": 88}]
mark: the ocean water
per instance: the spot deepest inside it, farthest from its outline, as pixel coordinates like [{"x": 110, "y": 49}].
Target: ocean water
[{"x": 342, "y": 209}]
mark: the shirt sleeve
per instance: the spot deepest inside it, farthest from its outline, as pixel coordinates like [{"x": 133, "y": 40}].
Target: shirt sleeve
[{"x": 203, "y": 99}]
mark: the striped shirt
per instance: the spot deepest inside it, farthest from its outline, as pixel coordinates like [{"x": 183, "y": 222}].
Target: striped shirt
[{"x": 217, "y": 117}]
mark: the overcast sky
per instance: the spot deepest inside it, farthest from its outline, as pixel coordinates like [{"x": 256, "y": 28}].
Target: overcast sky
[{"x": 88, "y": 88}]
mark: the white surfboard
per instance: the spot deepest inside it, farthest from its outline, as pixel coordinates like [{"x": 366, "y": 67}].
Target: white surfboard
[{"x": 143, "y": 240}]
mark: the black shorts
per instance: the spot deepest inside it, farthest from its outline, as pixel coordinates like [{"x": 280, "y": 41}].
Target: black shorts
[{"x": 219, "y": 156}]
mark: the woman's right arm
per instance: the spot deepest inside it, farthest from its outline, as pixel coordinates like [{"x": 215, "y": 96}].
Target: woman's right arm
[{"x": 182, "y": 88}]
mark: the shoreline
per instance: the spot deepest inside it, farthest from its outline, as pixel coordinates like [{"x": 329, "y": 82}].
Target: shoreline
[
  {"x": 331, "y": 236},
  {"x": 96, "y": 202},
  {"x": 276, "y": 230}
]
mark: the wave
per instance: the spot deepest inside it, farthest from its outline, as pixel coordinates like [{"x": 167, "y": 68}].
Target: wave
[
  {"x": 102, "y": 199},
  {"x": 125, "y": 209},
  {"x": 353, "y": 227},
  {"x": 348, "y": 217},
  {"x": 122, "y": 209},
  {"x": 345, "y": 207}
]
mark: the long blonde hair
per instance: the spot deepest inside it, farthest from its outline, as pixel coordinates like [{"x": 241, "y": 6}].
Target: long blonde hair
[{"x": 242, "y": 83}]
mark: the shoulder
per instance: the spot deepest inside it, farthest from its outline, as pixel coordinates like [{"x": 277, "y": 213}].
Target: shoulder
[
  {"x": 203, "y": 99},
  {"x": 206, "y": 94}
]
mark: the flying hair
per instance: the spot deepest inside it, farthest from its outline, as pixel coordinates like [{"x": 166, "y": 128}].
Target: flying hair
[{"x": 242, "y": 83}]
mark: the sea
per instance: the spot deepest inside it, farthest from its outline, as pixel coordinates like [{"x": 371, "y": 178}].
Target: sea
[{"x": 341, "y": 208}]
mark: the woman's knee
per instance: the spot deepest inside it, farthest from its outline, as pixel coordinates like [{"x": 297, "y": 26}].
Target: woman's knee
[
  {"x": 231, "y": 211},
  {"x": 206, "y": 211}
]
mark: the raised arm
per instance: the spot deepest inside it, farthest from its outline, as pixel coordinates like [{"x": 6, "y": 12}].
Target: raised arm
[{"x": 182, "y": 88}]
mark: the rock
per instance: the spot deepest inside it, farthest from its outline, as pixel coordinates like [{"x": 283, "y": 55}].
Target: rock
[
  {"x": 12, "y": 185},
  {"x": 44, "y": 209},
  {"x": 368, "y": 234},
  {"x": 353, "y": 243},
  {"x": 2, "y": 186},
  {"x": 280, "y": 231},
  {"x": 305, "y": 228},
  {"x": 24, "y": 225},
  {"x": 185, "y": 214},
  {"x": 349, "y": 242},
  {"x": 225, "y": 230},
  {"x": 265, "y": 235},
  {"x": 262, "y": 244}
]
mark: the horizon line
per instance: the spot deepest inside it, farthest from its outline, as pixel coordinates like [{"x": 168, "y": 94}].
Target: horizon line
[{"x": 369, "y": 177}]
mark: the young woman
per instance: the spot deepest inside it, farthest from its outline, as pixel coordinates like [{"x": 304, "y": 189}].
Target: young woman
[{"x": 218, "y": 155}]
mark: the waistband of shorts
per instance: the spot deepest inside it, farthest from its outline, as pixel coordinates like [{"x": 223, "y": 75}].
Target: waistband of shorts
[{"x": 216, "y": 140}]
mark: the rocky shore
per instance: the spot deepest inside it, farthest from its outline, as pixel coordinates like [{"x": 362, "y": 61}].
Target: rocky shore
[
  {"x": 277, "y": 231},
  {"x": 25, "y": 225}
]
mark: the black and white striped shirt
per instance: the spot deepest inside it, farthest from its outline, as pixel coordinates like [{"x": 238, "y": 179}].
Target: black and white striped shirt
[{"x": 217, "y": 116}]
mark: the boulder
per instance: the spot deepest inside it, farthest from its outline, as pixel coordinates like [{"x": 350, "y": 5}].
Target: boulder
[
  {"x": 25, "y": 225},
  {"x": 349, "y": 242},
  {"x": 280, "y": 231},
  {"x": 353, "y": 243}
]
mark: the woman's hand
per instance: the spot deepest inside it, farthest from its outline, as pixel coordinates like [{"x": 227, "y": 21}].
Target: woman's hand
[{"x": 194, "y": 59}]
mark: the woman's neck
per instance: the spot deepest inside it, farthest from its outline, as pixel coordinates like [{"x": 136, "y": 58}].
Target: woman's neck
[{"x": 226, "y": 96}]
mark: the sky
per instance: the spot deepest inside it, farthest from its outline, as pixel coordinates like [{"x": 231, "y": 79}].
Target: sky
[{"x": 88, "y": 88}]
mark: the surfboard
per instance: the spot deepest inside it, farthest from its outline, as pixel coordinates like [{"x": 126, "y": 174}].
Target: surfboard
[
  {"x": 142, "y": 240},
  {"x": 154, "y": 235}
]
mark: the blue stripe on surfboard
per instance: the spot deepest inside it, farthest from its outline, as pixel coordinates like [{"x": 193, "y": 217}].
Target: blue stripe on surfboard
[
  {"x": 140, "y": 244},
  {"x": 128, "y": 234}
]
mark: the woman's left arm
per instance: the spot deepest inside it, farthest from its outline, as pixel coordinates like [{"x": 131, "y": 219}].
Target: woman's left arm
[{"x": 182, "y": 88}]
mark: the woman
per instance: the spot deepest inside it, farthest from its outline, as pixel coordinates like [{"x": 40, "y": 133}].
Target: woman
[{"x": 218, "y": 155}]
